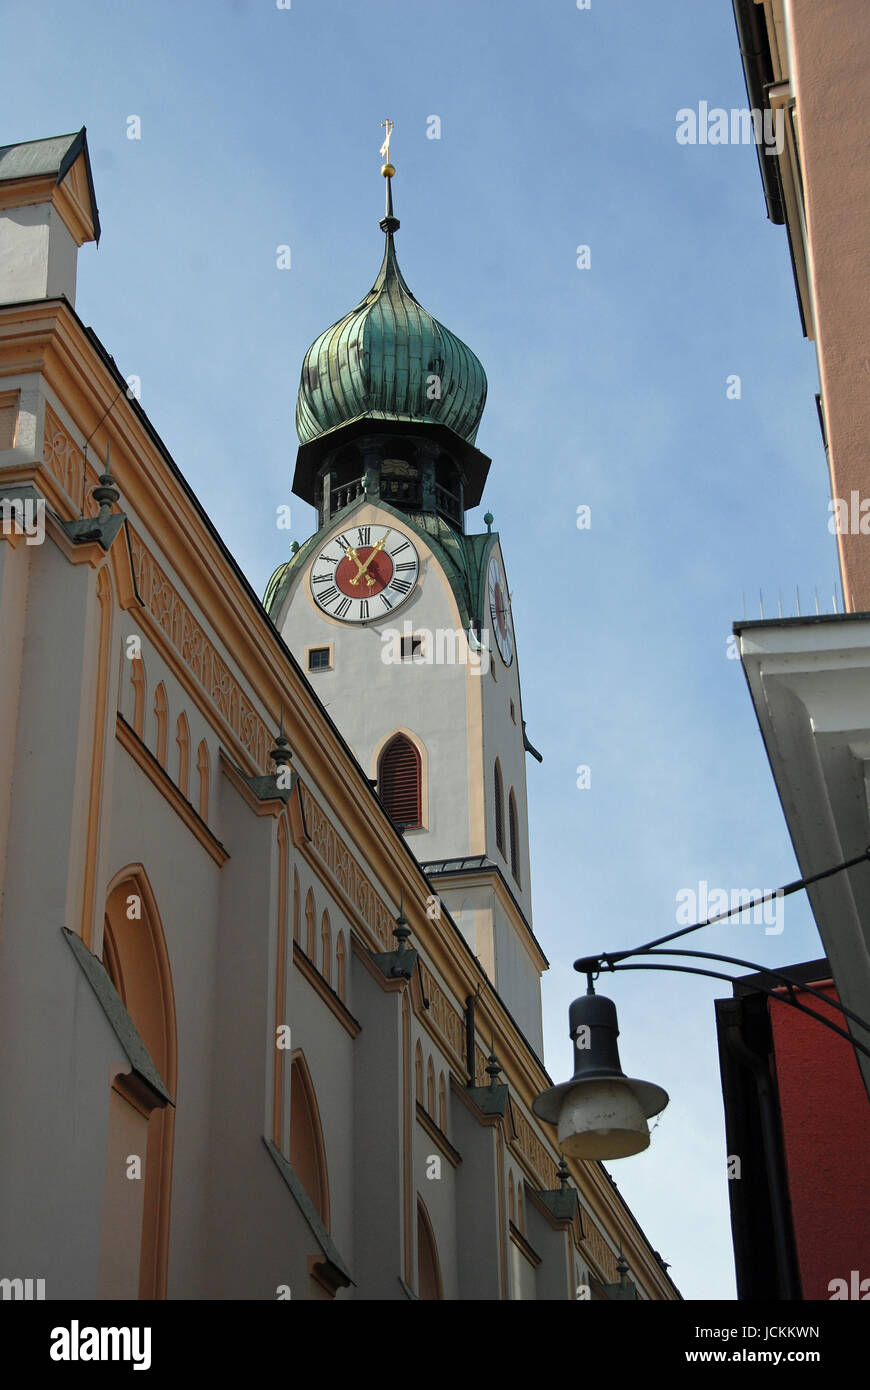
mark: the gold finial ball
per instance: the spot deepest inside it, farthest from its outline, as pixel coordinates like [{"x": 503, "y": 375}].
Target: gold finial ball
[{"x": 388, "y": 171}]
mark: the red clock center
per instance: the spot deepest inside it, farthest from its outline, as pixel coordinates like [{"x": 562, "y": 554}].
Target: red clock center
[{"x": 378, "y": 573}]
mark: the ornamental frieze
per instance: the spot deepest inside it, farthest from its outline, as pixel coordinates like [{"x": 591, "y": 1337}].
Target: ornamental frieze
[
  {"x": 534, "y": 1152},
  {"x": 447, "y": 1019},
  {"x": 198, "y": 652},
  {"x": 600, "y": 1252},
  {"x": 345, "y": 872},
  {"x": 63, "y": 459}
]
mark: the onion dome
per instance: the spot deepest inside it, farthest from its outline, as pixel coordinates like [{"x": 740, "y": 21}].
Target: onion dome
[{"x": 388, "y": 359}]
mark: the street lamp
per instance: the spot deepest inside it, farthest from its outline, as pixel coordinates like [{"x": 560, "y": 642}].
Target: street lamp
[{"x": 601, "y": 1112}]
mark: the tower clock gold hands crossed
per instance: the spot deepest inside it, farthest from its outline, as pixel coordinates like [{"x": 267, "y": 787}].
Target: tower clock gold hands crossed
[
  {"x": 363, "y": 569},
  {"x": 384, "y": 558}
]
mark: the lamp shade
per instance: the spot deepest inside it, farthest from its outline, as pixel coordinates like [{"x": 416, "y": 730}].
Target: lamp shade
[{"x": 600, "y": 1112}]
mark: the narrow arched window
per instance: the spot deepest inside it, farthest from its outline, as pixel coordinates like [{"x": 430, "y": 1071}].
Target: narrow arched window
[
  {"x": 135, "y": 1240},
  {"x": 310, "y": 915},
  {"x": 399, "y": 782},
  {"x": 428, "y": 1266},
  {"x": 442, "y": 1104},
  {"x": 202, "y": 767},
  {"x": 418, "y": 1073},
  {"x": 137, "y": 676},
  {"x": 515, "y": 836},
  {"x": 499, "y": 807},
  {"x": 521, "y": 1215},
  {"x": 182, "y": 739},
  {"x": 307, "y": 1150},
  {"x": 161, "y": 714},
  {"x": 512, "y": 1203},
  {"x": 340, "y": 966},
  {"x": 295, "y": 906},
  {"x": 430, "y": 1088},
  {"x": 326, "y": 948}
]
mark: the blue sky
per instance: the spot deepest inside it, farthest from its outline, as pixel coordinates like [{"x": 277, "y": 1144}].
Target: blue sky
[{"x": 260, "y": 127}]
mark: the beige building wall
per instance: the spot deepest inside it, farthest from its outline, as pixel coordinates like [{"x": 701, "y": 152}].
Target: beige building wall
[{"x": 818, "y": 56}]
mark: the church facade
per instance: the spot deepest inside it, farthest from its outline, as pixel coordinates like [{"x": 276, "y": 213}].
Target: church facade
[{"x": 269, "y": 989}]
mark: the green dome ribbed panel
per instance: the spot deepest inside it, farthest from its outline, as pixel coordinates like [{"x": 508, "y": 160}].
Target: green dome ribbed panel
[{"x": 376, "y": 362}]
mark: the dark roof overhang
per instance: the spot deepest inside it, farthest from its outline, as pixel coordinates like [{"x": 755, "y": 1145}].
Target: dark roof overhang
[
  {"x": 758, "y": 72},
  {"x": 474, "y": 464}
]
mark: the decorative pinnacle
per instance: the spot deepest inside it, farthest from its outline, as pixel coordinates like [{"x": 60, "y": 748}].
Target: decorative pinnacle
[
  {"x": 489, "y": 519},
  {"x": 562, "y": 1174},
  {"x": 281, "y": 753},
  {"x": 493, "y": 1066},
  {"x": 106, "y": 493}
]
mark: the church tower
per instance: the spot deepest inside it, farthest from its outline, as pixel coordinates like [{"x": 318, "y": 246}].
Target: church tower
[{"x": 401, "y": 618}]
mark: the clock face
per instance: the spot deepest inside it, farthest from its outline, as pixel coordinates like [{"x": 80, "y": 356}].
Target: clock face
[
  {"x": 364, "y": 573},
  {"x": 500, "y": 612}
]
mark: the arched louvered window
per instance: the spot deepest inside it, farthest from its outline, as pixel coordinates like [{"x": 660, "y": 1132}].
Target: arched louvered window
[
  {"x": 514, "y": 836},
  {"x": 399, "y": 782},
  {"x": 499, "y": 808}
]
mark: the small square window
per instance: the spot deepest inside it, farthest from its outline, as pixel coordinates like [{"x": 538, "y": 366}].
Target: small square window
[
  {"x": 411, "y": 647},
  {"x": 319, "y": 659}
]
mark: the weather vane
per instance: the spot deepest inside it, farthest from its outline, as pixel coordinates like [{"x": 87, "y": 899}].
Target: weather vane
[{"x": 388, "y": 171}]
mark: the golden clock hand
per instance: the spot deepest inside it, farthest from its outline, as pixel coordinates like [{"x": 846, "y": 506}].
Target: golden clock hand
[
  {"x": 375, "y": 548},
  {"x": 351, "y": 554}
]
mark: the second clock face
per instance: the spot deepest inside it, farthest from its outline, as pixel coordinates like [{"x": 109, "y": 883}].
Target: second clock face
[
  {"x": 364, "y": 573},
  {"x": 500, "y": 612}
]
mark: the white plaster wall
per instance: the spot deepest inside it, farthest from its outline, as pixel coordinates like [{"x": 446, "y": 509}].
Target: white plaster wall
[
  {"x": 37, "y": 255},
  {"x": 369, "y": 700},
  {"x": 439, "y": 1197},
  {"x": 14, "y": 580},
  {"x": 328, "y": 1050},
  {"x": 517, "y": 978},
  {"x": 185, "y": 881}
]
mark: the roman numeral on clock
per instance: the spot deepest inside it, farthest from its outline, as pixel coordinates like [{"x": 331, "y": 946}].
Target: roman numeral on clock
[
  {"x": 401, "y": 586},
  {"x": 364, "y": 608},
  {"x": 343, "y": 607},
  {"x": 328, "y": 594},
  {"x": 343, "y": 542},
  {"x": 365, "y": 535},
  {"x": 385, "y": 601},
  {"x": 405, "y": 565},
  {"x": 399, "y": 548},
  {"x": 322, "y": 578}
]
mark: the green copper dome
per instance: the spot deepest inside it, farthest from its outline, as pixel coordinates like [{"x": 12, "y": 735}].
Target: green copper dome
[{"x": 379, "y": 362}]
